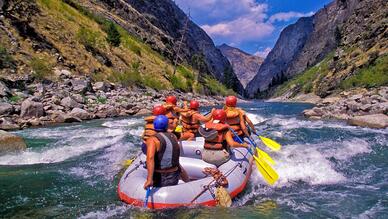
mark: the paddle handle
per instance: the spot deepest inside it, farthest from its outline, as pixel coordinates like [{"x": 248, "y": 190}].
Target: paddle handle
[
  {"x": 240, "y": 141},
  {"x": 146, "y": 196}
]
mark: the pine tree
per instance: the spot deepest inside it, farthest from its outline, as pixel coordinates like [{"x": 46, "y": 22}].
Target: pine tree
[{"x": 113, "y": 37}]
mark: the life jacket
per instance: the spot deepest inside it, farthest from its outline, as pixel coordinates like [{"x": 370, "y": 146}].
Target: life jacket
[
  {"x": 233, "y": 119},
  {"x": 217, "y": 143},
  {"x": 149, "y": 130},
  {"x": 189, "y": 123},
  {"x": 168, "y": 155},
  {"x": 171, "y": 115}
]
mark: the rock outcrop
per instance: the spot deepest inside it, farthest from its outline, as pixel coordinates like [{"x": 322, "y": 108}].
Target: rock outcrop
[
  {"x": 351, "y": 34},
  {"x": 371, "y": 121},
  {"x": 244, "y": 65},
  {"x": 10, "y": 142}
]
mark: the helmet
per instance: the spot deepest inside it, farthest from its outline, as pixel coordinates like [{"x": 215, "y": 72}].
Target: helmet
[
  {"x": 161, "y": 123},
  {"x": 219, "y": 114},
  {"x": 171, "y": 100},
  {"x": 231, "y": 101},
  {"x": 194, "y": 104},
  {"x": 158, "y": 110}
]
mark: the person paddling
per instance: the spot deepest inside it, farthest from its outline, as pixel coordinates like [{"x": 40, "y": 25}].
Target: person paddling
[
  {"x": 163, "y": 151},
  {"x": 217, "y": 139},
  {"x": 191, "y": 120},
  {"x": 149, "y": 130},
  {"x": 237, "y": 118}
]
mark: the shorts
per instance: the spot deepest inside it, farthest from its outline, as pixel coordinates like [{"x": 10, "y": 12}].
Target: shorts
[
  {"x": 144, "y": 148},
  {"x": 166, "y": 179},
  {"x": 215, "y": 157}
]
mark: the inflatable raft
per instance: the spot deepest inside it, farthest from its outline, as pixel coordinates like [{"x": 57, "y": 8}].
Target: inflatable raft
[{"x": 237, "y": 171}]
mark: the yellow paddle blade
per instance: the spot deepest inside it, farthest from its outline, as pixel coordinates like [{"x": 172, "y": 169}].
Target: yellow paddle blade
[
  {"x": 265, "y": 156},
  {"x": 268, "y": 173},
  {"x": 127, "y": 163},
  {"x": 270, "y": 143},
  {"x": 179, "y": 129}
]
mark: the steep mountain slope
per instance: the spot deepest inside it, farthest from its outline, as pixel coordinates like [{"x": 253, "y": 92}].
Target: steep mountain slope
[
  {"x": 39, "y": 36},
  {"x": 244, "y": 65},
  {"x": 161, "y": 24},
  {"x": 335, "y": 44}
]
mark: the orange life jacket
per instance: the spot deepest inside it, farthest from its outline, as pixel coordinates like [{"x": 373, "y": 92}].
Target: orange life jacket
[
  {"x": 217, "y": 143},
  {"x": 189, "y": 122},
  {"x": 149, "y": 130},
  {"x": 171, "y": 115},
  {"x": 233, "y": 119}
]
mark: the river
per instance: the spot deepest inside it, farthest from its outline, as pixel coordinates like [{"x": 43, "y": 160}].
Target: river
[{"x": 327, "y": 170}]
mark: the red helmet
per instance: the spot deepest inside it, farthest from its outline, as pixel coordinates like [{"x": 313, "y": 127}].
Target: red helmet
[
  {"x": 219, "y": 114},
  {"x": 158, "y": 110},
  {"x": 171, "y": 100},
  {"x": 194, "y": 104},
  {"x": 231, "y": 101}
]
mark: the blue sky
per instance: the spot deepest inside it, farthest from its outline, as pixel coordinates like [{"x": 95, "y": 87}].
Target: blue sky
[{"x": 251, "y": 25}]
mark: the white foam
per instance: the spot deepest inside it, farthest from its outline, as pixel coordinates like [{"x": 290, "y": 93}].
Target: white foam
[
  {"x": 56, "y": 154},
  {"x": 347, "y": 149},
  {"x": 137, "y": 132},
  {"x": 110, "y": 211},
  {"x": 123, "y": 123},
  {"x": 256, "y": 119}
]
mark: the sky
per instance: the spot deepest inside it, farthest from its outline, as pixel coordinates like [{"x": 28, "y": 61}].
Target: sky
[{"x": 251, "y": 25}]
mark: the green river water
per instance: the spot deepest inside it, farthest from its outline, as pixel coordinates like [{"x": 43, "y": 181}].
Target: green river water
[{"x": 327, "y": 170}]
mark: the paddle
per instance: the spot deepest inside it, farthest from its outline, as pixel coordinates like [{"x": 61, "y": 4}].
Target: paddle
[
  {"x": 266, "y": 141},
  {"x": 268, "y": 173},
  {"x": 146, "y": 196},
  {"x": 260, "y": 152}
]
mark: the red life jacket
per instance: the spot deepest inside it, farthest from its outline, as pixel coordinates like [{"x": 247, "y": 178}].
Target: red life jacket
[
  {"x": 233, "y": 119},
  {"x": 189, "y": 123},
  {"x": 217, "y": 143},
  {"x": 149, "y": 130}
]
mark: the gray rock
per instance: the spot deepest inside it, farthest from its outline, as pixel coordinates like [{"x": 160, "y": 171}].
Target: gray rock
[
  {"x": 80, "y": 113},
  {"x": 371, "y": 121},
  {"x": 69, "y": 102},
  {"x": 10, "y": 142},
  {"x": 79, "y": 98},
  {"x": 101, "y": 86},
  {"x": 30, "y": 108},
  {"x": 356, "y": 97},
  {"x": 81, "y": 86},
  {"x": 4, "y": 90},
  {"x": 6, "y": 109},
  {"x": 8, "y": 125},
  {"x": 71, "y": 119},
  {"x": 143, "y": 112}
]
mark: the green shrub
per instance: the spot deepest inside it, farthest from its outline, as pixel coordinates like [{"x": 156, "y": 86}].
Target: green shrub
[
  {"x": 153, "y": 82},
  {"x": 6, "y": 59},
  {"x": 15, "y": 99},
  {"x": 216, "y": 88},
  {"x": 101, "y": 100},
  {"x": 113, "y": 35},
  {"x": 373, "y": 75},
  {"x": 185, "y": 72},
  {"x": 178, "y": 83},
  {"x": 41, "y": 68},
  {"x": 88, "y": 38}
]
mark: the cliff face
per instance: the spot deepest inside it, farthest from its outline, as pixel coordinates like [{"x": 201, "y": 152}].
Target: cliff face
[
  {"x": 340, "y": 27},
  {"x": 161, "y": 25},
  {"x": 244, "y": 65}
]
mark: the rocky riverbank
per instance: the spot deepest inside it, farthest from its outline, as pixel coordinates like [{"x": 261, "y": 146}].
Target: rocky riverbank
[
  {"x": 26, "y": 102},
  {"x": 361, "y": 107}
]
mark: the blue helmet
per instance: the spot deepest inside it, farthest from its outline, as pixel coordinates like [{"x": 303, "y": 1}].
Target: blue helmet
[{"x": 161, "y": 123}]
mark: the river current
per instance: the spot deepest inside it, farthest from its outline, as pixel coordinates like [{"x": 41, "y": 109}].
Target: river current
[{"x": 327, "y": 170}]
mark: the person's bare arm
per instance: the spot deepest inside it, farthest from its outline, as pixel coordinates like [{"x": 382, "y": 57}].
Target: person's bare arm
[
  {"x": 202, "y": 118},
  {"x": 250, "y": 123},
  {"x": 232, "y": 143},
  {"x": 242, "y": 124},
  {"x": 151, "y": 150}
]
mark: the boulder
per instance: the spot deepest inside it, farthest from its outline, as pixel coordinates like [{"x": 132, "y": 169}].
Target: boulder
[
  {"x": 30, "y": 108},
  {"x": 371, "y": 121},
  {"x": 330, "y": 100},
  {"x": 10, "y": 142},
  {"x": 71, "y": 119},
  {"x": 8, "y": 125},
  {"x": 6, "y": 109},
  {"x": 69, "y": 102},
  {"x": 80, "y": 113},
  {"x": 81, "y": 86},
  {"x": 79, "y": 98},
  {"x": 143, "y": 112},
  {"x": 4, "y": 90},
  {"x": 101, "y": 86}
]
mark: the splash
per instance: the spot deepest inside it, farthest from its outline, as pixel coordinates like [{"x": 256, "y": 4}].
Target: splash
[{"x": 256, "y": 119}]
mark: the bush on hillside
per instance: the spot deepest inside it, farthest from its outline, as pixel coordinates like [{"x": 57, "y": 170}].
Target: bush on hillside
[
  {"x": 113, "y": 35},
  {"x": 41, "y": 68}
]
